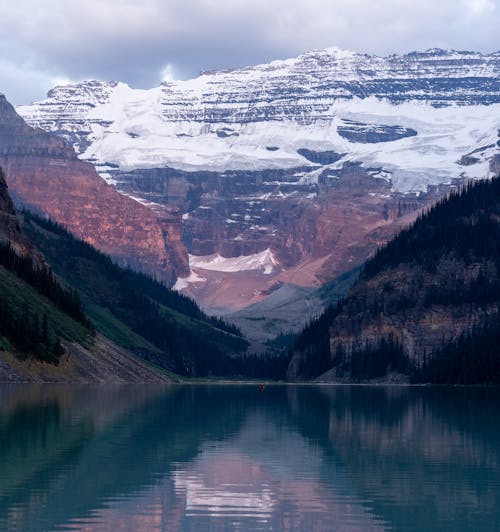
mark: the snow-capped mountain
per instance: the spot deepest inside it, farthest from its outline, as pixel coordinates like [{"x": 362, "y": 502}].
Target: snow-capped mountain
[
  {"x": 256, "y": 158},
  {"x": 436, "y": 104}
]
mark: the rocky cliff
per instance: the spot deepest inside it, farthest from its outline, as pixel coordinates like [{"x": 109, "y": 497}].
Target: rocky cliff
[
  {"x": 31, "y": 295},
  {"x": 44, "y": 173}
]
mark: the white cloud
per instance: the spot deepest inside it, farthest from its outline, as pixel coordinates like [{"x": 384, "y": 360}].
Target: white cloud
[
  {"x": 478, "y": 7},
  {"x": 136, "y": 40},
  {"x": 168, "y": 73},
  {"x": 22, "y": 82}
]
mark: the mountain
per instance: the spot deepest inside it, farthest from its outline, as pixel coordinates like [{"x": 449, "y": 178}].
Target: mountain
[
  {"x": 44, "y": 173},
  {"x": 426, "y": 306},
  {"x": 10, "y": 231},
  {"x": 44, "y": 332},
  {"x": 135, "y": 311},
  {"x": 289, "y": 309},
  {"x": 298, "y": 168},
  {"x": 69, "y": 313}
]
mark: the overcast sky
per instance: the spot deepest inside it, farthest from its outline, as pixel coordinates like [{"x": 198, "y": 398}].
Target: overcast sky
[{"x": 47, "y": 42}]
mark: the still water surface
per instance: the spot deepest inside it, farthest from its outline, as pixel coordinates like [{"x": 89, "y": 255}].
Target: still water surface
[{"x": 210, "y": 458}]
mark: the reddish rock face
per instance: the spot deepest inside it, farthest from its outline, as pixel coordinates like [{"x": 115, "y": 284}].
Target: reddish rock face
[
  {"x": 170, "y": 221},
  {"x": 316, "y": 232},
  {"x": 44, "y": 173}
]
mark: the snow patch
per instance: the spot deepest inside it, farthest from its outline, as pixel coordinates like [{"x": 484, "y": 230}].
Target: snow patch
[
  {"x": 259, "y": 261},
  {"x": 184, "y": 282}
]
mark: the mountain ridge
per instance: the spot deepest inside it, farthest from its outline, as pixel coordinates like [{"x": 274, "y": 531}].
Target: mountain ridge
[
  {"x": 44, "y": 334},
  {"x": 318, "y": 159},
  {"x": 68, "y": 313},
  {"x": 81, "y": 113}
]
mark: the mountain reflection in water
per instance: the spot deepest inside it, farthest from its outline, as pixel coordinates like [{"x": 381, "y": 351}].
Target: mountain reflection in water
[{"x": 232, "y": 458}]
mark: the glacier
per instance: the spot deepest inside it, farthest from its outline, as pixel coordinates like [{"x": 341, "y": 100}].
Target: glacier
[{"x": 259, "y": 117}]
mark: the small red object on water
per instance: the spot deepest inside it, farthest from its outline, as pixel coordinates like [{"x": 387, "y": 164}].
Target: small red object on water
[{"x": 262, "y": 387}]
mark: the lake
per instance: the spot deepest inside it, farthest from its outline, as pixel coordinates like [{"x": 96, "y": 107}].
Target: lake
[{"x": 236, "y": 457}]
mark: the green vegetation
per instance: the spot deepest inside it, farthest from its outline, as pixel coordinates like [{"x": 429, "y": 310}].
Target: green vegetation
[
  {"x": 314, "y": 342},
  {"x": 472, "y": 359},
  {"x": 465, "y": 225},
  {"x": 371, "y": 362},
  {"x": 28, "y": 320},
  {"x": 30, "y": 323},
  {"x": 42, "y": 279},
  {"x": 270, "y": 366},
  {"x": 137, "y": 312}
]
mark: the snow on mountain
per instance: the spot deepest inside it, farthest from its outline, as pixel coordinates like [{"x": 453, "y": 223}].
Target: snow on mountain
[
  {"x": 414, "y": 116},
  {"x": 307, "y": 163},
  {"x": 264, "y": 261}
]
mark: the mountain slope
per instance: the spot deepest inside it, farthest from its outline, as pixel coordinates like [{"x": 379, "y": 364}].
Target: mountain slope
[
  {"x": 10, "y": 230},
  {"x": 427, "y": 305},
  {"x": 321, "y": 107},
  {"x": 44, "y": 173},
  {"x": 44, "y": 334},
  {"x": 289, "y": 308},
  {"x": 136, "y": 312},
  {"x": 316, "y": 160},
  {"x": 49, "y": 318}
]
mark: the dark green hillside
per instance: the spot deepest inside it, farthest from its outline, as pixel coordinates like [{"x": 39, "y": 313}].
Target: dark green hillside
[
  {"x": 465, "y": 225},
  {"x": 427, "y": 305},
  {"x": 135, "y": 311},
  {"x": 33, "y": 318}
]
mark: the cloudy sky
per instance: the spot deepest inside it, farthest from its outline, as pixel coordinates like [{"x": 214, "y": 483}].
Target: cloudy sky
[{"x": 48, "y": 42}]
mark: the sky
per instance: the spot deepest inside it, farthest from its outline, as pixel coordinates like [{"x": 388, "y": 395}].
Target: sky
[{"x": 45, "y": 43}]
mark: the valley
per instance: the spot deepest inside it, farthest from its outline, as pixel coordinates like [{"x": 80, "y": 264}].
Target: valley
[
  {"x": 260, "y": 193},
  {"x": 249, "y": 265}
]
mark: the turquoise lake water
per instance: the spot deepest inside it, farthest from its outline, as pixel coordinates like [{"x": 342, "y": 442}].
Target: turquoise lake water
[{"x": 210, "y": 458}]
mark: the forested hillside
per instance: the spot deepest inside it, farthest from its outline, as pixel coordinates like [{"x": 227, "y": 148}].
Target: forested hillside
[
  {"x": 426, "y": 306},
  {"x": 36, "y": 311},
  {"x": 66, "y": 308}
]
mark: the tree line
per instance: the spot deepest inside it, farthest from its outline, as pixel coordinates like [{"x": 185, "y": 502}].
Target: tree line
[
  {"x": 29, "y": 332},
  {"x": 143, "y": 284}
]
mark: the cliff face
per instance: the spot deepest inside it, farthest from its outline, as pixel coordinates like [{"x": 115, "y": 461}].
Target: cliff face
[
  {"x": 315, "y": 231},
  {"x": 44, "y": 173},
  {"x": 82, "y": 362}
]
